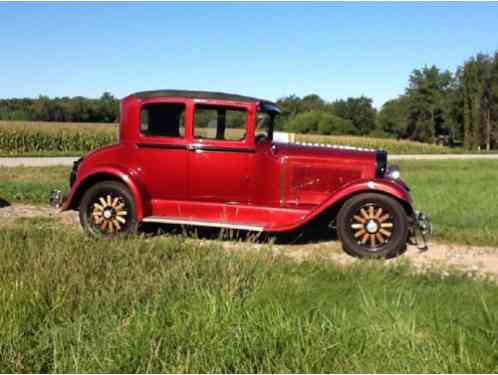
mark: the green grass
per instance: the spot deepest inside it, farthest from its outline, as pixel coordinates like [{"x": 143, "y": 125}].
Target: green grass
[
  {"x": 460, "y": 195},
  {"x": 32, "y": 184},
  {"x": 72, "y": 304}
]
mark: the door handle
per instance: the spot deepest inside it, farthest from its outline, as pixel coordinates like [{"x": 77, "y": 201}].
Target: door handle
[{"x": 192, "y": 147}]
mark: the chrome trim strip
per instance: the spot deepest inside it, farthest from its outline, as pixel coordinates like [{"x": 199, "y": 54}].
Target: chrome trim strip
[
  {"x": 173, "y": 220},
  {"x": 162, "y": 145}
]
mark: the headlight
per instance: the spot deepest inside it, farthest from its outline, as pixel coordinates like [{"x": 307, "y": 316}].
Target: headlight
[
  {"x": 381, "y": 158},
  {"x": 393, "y": 172}
]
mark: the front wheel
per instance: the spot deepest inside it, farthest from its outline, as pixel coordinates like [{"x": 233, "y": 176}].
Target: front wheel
[
  {"x": 373, "y": 225},
  {"x": 107, "y": 209}
]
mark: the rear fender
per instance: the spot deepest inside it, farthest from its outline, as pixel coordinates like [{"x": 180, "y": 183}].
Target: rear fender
[
  {"x": 106, "y": 173},
  {"x": 382, "y": 186}
]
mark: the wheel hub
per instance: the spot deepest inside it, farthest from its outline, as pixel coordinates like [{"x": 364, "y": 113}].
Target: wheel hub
[
  {"x": 372, "y": 226},
  {"x": 108, "y": 213}
]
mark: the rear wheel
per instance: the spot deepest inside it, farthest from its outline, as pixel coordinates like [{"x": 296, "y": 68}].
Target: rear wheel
[
  {"x": 107, "y": 209},
  {"x": 373, "y": 225}
]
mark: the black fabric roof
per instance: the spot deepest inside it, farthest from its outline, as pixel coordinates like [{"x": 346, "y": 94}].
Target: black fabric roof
[{"x": 200, "y": 95}]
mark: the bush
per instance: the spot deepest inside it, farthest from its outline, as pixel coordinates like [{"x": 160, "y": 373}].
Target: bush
[
  {"x": 331, "y": 124},
  {"x": 319, "y": 122}
]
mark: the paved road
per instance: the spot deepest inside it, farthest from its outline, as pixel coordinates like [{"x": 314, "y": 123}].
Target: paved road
[{"x": 68, "y": 161}]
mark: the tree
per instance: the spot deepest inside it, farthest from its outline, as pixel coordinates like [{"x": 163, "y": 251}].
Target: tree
[
  {"x": 79, "y": 109},
  {"x": 455, "y": 109},
  {"x": 480, "y": 94},
  {"x": 108, "y": 107},
  {"x": 426, "y": 98},
  {"x": 359, "y": 111},
  {"x": 320, "y": 122},
  {"x": 290, "y": 107},
  {"x": 392, "y": 117},
  {"x": 311, "y": 102}
]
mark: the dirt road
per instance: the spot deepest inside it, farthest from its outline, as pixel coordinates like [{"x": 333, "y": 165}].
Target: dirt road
[
  {"x": 470, "y": 259},
  {"x": 37, "y": 161}
]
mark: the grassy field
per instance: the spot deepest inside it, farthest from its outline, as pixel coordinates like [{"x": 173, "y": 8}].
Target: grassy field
[
  {"x": 460, "y": 195},
  {"x": 74, "y": 139},
  {"x": 32, "y": 184},
  {"x": 72, "y": 304}
]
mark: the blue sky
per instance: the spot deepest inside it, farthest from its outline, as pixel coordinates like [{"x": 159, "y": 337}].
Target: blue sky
[{"x": 270, "y": 50}]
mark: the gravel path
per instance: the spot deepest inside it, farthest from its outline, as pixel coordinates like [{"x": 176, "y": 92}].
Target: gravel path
[
  {"x": 37, "y": 161},
  {"x": 68, "y": 161},
  {"x": 471, "y": 259}
]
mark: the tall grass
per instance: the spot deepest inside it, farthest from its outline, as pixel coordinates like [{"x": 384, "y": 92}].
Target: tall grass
[{"x": 72, "y": 304}]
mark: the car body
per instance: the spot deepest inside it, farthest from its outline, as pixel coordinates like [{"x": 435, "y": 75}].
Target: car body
[{"x": 208, "y": 159}]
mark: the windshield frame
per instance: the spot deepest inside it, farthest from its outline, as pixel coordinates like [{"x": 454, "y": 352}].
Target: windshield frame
[{"x": 273, "y": 111}]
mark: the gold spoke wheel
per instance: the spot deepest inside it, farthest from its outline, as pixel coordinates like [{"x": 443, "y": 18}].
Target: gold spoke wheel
[
  {"x": 109, "y": 214},
  {"x": 372, "y": 226}
]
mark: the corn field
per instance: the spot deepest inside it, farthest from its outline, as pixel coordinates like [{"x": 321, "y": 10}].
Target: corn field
[
  {"x": 390, "y": 145},
  {"x": 25, "y": 138},
  {"x": 52, "y": 139}
]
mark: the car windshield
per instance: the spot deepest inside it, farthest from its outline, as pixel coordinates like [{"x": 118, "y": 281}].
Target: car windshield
[{"x": 264, "y": 125}]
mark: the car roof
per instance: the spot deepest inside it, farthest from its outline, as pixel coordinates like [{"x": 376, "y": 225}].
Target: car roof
[{"x": 201, "y": 95}]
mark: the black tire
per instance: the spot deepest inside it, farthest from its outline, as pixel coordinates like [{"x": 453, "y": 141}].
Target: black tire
[
  {"x": 116, "y": 217},
  {"x": 390, "y": 225}
]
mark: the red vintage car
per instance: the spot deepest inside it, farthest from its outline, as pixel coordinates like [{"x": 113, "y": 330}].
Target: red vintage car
[{"x": 208, "y": 159}]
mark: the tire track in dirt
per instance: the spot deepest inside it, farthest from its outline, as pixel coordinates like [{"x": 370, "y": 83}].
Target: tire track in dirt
[{"x": 474, "y": 260}]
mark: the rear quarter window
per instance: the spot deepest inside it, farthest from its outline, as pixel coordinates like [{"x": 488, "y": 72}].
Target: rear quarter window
[{"x": 163, "y": 120}]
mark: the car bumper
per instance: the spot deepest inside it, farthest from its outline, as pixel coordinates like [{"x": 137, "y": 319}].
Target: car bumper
[
  {"x": 56, "y": 199},
  {"x": 421, "y": 230}
]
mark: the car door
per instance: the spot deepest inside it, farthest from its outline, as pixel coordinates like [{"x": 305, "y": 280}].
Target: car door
[
  {"x": 162, "y": 148},
  {"x": 221, "y": 153}
]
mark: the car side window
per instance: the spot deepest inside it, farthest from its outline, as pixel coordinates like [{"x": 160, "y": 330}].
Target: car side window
[
  {"x": 163, "y": 120},
  {"x": 220, "y": 123}
]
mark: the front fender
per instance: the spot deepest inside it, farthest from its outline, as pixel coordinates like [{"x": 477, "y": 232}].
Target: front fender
[
  {"x": 383, "y": 186},
  {"x": 108, "y": 172}
]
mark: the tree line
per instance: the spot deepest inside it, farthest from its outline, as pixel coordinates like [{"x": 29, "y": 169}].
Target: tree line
[
  {"x": 431, "y": 109},
  {"x": 437, "y": 105},
  {"x": 65, "y": 109},
  {"x": 312, "y": 114},
  {"x": 455, "y": 108}
]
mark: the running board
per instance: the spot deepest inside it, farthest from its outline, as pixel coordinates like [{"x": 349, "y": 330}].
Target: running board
[{"x": 200, "y": 223}]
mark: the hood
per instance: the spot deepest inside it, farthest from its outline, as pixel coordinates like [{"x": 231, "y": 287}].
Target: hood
[{"x": 311, "y": 172}]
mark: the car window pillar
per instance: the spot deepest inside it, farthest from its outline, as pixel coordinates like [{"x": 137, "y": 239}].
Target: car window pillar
[{"x": 220, "y": 129}]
